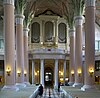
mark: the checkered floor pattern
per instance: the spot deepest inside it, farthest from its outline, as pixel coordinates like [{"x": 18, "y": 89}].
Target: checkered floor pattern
[{"x": 51, "y": 93}]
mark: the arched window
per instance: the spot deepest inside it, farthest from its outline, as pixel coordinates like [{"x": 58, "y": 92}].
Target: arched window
[
  {"x": 35, "y": 33},
  {"x": 48, "y": 31},
  {"x": 62, "y": 33}
]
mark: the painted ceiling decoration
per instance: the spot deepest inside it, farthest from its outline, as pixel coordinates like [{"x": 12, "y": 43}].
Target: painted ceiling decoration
[{"x": 57, "y": 7}]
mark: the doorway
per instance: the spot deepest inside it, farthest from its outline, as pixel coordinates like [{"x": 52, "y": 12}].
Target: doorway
[{"x": 48, "y": 77}]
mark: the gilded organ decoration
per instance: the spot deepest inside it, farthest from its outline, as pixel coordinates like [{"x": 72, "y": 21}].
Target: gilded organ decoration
[
  {"x": 48, "y": 31},
  {"x": 62, "y": 33},
  {"x": 35, "y": 33}
]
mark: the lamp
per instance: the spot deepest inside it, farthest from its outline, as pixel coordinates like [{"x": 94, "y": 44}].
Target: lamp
[
  {"x": 19, "y": 73},
  {"x": 38, "y": 71},
  {"x": 61, "y": 73},
  {"x": 61, "y": 79},
  {"x": 72, "y": 72},
  {"x": 91, "y": 71},
  {"x": 79, "y": 72},
  {"x": 8, "y": 71},
  {"x": 41, "y": 43},
  {"x": 35, "y": 73},
  {"x": 25, "y": 73}
]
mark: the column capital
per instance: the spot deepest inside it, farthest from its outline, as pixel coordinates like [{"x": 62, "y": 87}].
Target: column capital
[
  {"x": 26, "y": 30},
  {"x": 19, "y": 18},
  {"x": 8, "y": 2},
  {"x": 89, "y": 3},
  {"x": 71, "y": 32},
  {"x": 78, "y": 20}
]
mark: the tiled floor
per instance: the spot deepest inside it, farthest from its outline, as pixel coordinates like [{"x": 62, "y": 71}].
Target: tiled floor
[{"x": 51, "y": 93}]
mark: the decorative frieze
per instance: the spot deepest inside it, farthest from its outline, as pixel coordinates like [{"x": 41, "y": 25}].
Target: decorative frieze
[
  {"x": 78, "y": 20},
  {"x": 19, "y": 19},
  {"x": 25, "y": 31},
  {"x": 71, "y": 32},
  {"x": 90, "y": 3},
  {"x": 9, "y": 2}
]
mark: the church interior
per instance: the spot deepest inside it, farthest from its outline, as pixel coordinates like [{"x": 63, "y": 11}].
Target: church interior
[{"x": 50, "y": 42}]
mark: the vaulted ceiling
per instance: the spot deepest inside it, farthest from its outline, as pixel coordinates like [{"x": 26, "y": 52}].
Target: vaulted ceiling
[{"x": 56, "y": 6}]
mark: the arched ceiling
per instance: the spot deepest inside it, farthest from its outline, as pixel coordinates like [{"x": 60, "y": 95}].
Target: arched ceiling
[{"x": 56, "y": 6}]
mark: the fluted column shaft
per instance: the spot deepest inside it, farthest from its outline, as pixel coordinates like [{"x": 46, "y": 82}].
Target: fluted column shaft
[
  {"x": 9, "y": 42},
  {"x": 42, "y": 72},
  {"x": 89, "y": 44},
  {"x": 26, "y": 64},
  {"x": 72, "y": 56},
  {"x": 56, "y": 74},
  {"x": 19, "y": 49},
  {"x": 32, "y": 71},
  {"x": 78, "y": 51}
]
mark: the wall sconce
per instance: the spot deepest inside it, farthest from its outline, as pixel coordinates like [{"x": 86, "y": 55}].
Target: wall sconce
[
  {"x": 41, "y": 43},
  {"x": 25, "y": 73},
  {"x": 38, "y": 71},
  {"x": 61, "y": 79},
  {"x": 61, "y": 73},
  {"x": 56, "y": 43},
  {"x": 35, "y": 73},
  {"x": 8, "y": 71},
  {"x": 19, "y": 73},
  {"x": 79, "y": 72},
  {"x": 91, "y": 71},
  {"x": 72, "y": 72}
]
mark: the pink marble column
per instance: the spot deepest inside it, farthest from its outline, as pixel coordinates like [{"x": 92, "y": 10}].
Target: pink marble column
[
  {"x": 9, "y": 45},
  {"x": 78, "y": 51},
  {"x": 72, "y": 56},
  {"x": 89, "y": 44},
  {"x": 19, "y": 50},
  {"x": 26, "y": 63}
]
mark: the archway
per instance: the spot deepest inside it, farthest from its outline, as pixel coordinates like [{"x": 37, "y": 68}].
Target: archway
[{"x": 48, "y": 77}]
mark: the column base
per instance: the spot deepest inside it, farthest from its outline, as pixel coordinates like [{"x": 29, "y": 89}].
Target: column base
[
  {"x": 10, "y": 87},
  {"x": 27, "y": 83},
  {"x": 20, "y": 85},
  {"x": 88, "y": 87},
  {"x": 70, "y": 83},
  {"x": 79, "y": 85},
  {"x": 55, "y": 87}
]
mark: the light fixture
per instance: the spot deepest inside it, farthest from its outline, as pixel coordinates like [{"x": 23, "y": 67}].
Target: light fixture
[
  {"x": 61, "y": 73},
  {"x": 79, "y": 72},
  {"x": 35, "y": 73},
  {"x": 41, "y": 43},
  {"x": 19, "y": 73},
  {"x": 56, "y": 43},
  {"x": 61, "y": 79},
  {"x": 66, "y": 79},
  {"x": 72, "y": 72},
  {"x": 91, "y": 71},
  {"x": 25, "y": 73},
  {"x": 8, "y": 71}
]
